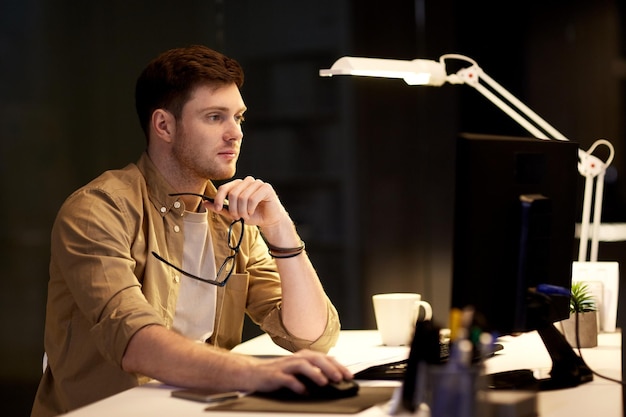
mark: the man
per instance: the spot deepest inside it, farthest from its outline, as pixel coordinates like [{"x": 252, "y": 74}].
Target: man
[{"x": 146, "y": 282}]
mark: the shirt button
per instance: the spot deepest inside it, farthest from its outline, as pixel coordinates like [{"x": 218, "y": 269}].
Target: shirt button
[
  {"x": 163, "y": 209},
  {"x": 177, "y": 279},
  {"x": 177, "y": 204},
  {"x": 176, "y": 228}
]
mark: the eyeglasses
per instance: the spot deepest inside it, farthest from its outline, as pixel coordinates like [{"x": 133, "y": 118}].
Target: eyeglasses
[{"x": 228, "y": 266}]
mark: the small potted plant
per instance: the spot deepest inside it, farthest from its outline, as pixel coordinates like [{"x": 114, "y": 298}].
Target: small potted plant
[{"x": 583, "y": 308}]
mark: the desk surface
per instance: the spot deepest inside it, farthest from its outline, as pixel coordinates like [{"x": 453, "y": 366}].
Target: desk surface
[{"x": 360, "y": 348}]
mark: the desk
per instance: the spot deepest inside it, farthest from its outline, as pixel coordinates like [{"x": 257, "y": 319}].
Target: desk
[{"x": 360, "y": 348}]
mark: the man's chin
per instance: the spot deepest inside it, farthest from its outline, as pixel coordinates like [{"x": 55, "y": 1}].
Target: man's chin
[{"x": 223, "y": 176}]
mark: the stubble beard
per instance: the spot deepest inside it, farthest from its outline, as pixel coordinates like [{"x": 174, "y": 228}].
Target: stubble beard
[{"x": 192, "y": 164}]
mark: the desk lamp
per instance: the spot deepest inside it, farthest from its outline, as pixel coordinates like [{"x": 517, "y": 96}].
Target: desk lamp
[
  {"x": 568, "y": 369},
  {"x": 433, "y": 73}
]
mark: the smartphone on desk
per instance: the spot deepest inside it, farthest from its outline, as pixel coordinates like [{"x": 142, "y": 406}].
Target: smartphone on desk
[{"x": 206, "y": 397}]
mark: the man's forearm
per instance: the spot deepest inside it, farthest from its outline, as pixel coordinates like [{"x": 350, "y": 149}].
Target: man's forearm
[
  {"x": 305, "y": 309},
  {"x": 164, "y": 355}
]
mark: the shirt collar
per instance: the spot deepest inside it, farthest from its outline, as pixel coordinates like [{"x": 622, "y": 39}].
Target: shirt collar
[{"x": 159, "y": 189}]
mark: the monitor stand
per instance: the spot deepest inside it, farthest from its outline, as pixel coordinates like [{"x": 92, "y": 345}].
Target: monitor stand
[{"x": 568, "y": 369}]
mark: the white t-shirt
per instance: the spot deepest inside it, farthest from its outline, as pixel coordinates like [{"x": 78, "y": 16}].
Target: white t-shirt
[{"x": 195, "y": 309}]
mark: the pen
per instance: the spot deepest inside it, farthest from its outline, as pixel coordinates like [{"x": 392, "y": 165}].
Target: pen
[{"x": 455, "y": 323}]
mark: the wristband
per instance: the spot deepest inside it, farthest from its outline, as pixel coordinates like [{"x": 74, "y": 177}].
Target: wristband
[
  {"x": 290, "y": 255},
  {"x": 282, "y": 253}
]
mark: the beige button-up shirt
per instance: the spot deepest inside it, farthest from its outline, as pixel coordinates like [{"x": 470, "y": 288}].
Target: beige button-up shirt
[{"x": 105, "y": 285}]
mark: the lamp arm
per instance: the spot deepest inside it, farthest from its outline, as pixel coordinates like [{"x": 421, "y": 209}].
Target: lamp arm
[
  {"x": 588, "y": 165},
  {"x": 472, "y": 76},
  {"x": 593, "y": 255},
  {"x": 533, "y": 130},
  {"x": 584, "y": 225},
  {"x": 592, "y": 168},
  {"x": 525, "y": 109}
]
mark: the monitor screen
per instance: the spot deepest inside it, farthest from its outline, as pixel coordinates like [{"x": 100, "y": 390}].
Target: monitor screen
[{"x": 515, "y": 208}]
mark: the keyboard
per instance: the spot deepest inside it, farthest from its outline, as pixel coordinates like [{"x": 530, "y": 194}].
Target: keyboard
[
  {"x": 389, "y": 371},
  {"x": 396, "y": 370}
]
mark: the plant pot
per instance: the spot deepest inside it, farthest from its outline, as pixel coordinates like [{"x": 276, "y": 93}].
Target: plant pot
[{"x": 587, "y": 329}]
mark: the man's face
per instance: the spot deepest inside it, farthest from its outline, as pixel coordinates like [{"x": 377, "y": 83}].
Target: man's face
[{"x": 208, "y": 135}]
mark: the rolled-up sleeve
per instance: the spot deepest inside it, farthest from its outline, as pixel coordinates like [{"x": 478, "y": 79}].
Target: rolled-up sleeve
[{"x": 283, "y": 338}]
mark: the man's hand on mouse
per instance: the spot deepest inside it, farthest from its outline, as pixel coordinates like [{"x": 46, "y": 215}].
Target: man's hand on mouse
[{"x": 272, "y": 374}]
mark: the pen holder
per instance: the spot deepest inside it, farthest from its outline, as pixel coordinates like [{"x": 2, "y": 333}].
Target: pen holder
[{"x": 454, "y": 390}]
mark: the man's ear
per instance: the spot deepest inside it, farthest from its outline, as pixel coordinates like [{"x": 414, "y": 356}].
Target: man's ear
[{"x": 163, "y": 124}]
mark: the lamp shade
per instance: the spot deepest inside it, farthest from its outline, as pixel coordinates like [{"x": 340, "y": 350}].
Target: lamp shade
[{"x": 415, "y": 72}]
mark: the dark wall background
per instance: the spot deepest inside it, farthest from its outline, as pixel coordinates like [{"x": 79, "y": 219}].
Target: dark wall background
[{"x": 364, "y": 166}]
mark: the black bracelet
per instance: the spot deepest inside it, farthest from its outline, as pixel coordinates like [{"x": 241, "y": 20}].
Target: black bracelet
[
  {"x": 283, "y": 253},
  {"x": 285, "y": 250},
  {"x": 291, "y": 255}
]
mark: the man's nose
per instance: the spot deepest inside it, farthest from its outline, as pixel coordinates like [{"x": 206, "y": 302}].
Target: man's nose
[{"x": 234, "y": 131}]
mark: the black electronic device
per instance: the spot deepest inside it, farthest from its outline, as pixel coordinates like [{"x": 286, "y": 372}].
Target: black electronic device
[{"x": 514, "y": 226}]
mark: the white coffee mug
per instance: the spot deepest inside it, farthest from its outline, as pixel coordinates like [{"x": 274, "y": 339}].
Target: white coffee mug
[{"x": 396, "y": 315}]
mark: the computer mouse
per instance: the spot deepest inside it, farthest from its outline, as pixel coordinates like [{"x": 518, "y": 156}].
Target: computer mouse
[{"x": 332, "y": 390}]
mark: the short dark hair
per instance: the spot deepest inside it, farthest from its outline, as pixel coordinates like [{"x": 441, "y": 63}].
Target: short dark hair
[{"x": 168, "y": 80}]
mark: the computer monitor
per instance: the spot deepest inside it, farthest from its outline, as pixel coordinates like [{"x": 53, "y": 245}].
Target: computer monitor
[
  {"x": 514, "y": 233},
  {"x": 506, "y": 186}
]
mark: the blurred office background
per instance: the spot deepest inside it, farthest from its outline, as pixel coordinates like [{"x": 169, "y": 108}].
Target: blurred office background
[{"x": 364, "y": 166}]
